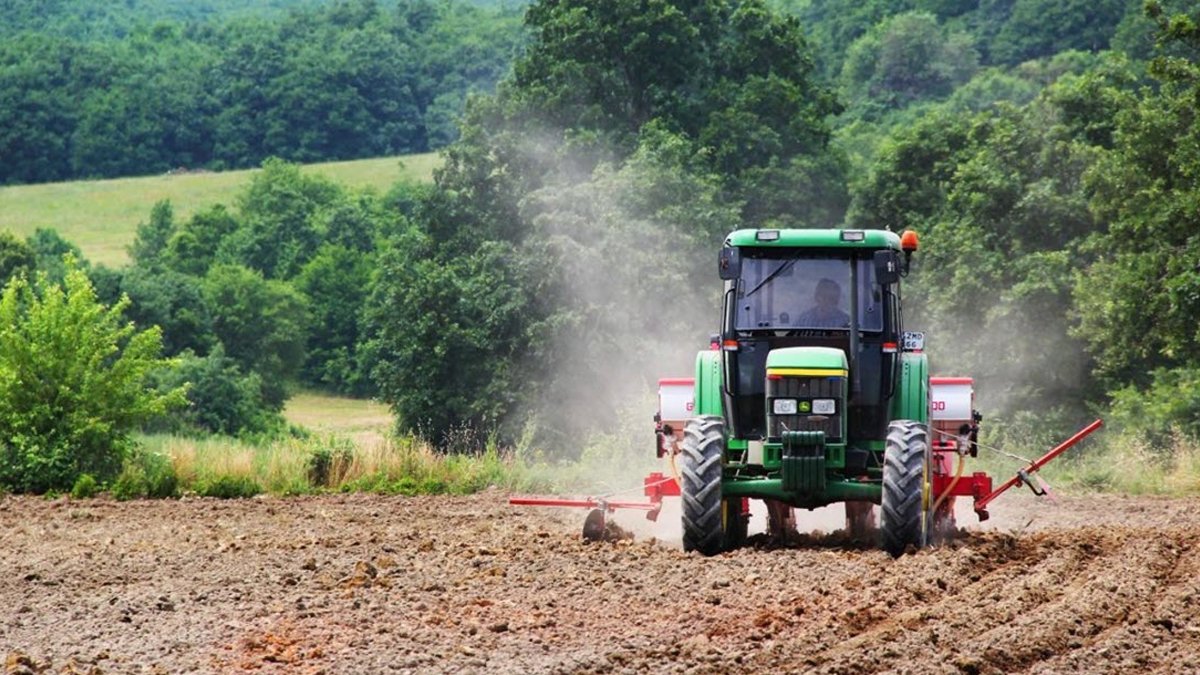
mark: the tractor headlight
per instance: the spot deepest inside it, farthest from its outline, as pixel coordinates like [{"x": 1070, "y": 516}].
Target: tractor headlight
[
  {"x": 824, "y": 406},
  {"x": 784, "y": 406}
]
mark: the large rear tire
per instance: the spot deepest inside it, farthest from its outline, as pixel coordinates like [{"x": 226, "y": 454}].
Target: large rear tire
[
  {"x": 903, "y": 518},
  {"x": 700, "y": 470}
]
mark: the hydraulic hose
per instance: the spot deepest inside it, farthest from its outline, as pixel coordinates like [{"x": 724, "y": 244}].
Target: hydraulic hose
[
  {"x": 674, "y": 469},
  {"x": 950, "y": 488}
]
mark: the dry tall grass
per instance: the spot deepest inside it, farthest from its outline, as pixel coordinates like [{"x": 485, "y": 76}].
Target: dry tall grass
[{"x": 330, "y": 462}]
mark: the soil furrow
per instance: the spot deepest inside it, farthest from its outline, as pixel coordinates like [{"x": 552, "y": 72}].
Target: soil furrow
[{"x": 359, "y": 583}]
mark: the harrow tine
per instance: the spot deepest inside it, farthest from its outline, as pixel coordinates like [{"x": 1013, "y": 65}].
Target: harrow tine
[{"x": 1046, "y": 489}]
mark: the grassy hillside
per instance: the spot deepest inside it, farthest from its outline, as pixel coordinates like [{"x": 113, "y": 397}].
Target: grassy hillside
[{"x": 101, "y": 216}]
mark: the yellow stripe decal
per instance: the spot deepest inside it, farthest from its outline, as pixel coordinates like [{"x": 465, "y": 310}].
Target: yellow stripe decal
[{"x": 811, "y": 372}]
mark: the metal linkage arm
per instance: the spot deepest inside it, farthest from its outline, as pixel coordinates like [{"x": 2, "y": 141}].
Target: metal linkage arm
[{"x": 1024, "y": 474}]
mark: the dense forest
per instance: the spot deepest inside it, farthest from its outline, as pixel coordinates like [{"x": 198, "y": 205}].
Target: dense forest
[
  {"x": 1045, "y": 150},
  {"x": 93, "y": 90},
  {"x": 91, "y": 19}
]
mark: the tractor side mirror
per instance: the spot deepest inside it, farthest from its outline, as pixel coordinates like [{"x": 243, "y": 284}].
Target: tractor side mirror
[
  {"x": 729, "y": 263},
  {"x": 887, "y": 267}
]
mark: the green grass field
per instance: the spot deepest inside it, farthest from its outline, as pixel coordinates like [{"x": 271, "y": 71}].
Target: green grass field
[
  {"x": 365, "y": 422},
  {"x": 101, "y": 216}
]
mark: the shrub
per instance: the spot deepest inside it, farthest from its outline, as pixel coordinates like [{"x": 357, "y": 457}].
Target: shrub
[
  {"x": 1170, "y": 404},
  {"x": 85, "y": 487},
  {"x": 74, "y": 383},
  {"x": 228, "y": 487},
  {"x": 327, "y": 466},
  {"x": 131, "y": 484},
  {"x": 432, "y": 486},
  {"x": 146, "y": 474}
]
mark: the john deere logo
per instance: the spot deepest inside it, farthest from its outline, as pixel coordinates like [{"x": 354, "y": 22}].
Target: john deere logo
[{"x": 805, "y": 406}]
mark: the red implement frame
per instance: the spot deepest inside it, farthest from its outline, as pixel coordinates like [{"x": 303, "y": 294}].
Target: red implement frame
[
  {"x": 978, "y": 486},
  {"x": 1024, "y": 474},
  {"x": 656, "y": 486}
]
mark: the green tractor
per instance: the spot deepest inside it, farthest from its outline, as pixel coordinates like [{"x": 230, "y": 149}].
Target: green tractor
[{"x": 813, "y": 394}]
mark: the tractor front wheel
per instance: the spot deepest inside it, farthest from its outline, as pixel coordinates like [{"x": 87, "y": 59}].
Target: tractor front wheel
[
  {"x": 903, "y": 507},
  {"x": 703, "y": 512}
]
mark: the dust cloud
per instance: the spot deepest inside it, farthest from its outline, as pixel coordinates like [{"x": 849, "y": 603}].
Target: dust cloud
[
  {"x": 1031, "y": 375},
  {"x": 633, "y": 276}
]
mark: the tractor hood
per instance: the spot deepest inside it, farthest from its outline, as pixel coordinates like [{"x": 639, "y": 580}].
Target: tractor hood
[
  {"x": 806, "y": 392},
  {"x": 826, "y": 359}
]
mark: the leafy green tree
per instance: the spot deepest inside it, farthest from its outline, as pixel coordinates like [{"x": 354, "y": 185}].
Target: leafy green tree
[
  {"x": 355, "y": 223},
  {"x": 157, "y": 113},
  {"x": 193, "y": 247},
  {"x": 835, "y": 24},
  {"x": 721, "y": 94},
  {"x": 461, "y": 323},
  {"x": 735, "y": 78},
  {"x": 262, "y": 324},
  {"x": 40, "y": 80},
  {"x": 625, "y": 310},
  {"x": 221, "y": 398},
  {"x": 152, "y": 236},
  {"x": 172, "y": 301},
  {"x": 50, "y": 250},
  {"x": 74, "y": 383},
  {"x": 1040, "y": 28},
  {"x": 336, "y": 282},
  {"x": 989, "y": 87},
  {"x": 908, "y": 183},
  {"x": 1138, "y": 300},
  {"x": 999, "y": 201},
  {"x": 80, "y": 97},
  {"x": 1158, "y": 411},
  {"x": 278, "y": 213},
  {"x": 907, "y": 58},
  {"x": 109, "y": 20},
  {"x": 16, "y": 257}
]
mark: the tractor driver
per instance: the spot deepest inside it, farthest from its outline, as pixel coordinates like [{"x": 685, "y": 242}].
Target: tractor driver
[{"x": 826, "y": 313}]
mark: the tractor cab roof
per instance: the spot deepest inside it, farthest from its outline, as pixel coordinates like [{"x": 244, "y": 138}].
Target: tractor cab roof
[{"x": 790, "y": 238}]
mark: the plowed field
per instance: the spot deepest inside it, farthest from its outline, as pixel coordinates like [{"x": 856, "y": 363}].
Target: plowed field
[{"x": 359, "y": 584}]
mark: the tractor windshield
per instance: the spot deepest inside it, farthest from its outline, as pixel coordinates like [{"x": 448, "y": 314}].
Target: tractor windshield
[{"x": 805, "y": 293}]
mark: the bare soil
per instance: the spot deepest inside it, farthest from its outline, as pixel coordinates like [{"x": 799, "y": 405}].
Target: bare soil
[{"x": 361, "y": 584}]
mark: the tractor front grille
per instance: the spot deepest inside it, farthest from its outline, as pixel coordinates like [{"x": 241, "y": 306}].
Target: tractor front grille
[{"x": 805, "y": 388}]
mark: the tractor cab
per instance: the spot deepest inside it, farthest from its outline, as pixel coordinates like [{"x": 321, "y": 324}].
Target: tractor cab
[{"x": 810, "y": 334}]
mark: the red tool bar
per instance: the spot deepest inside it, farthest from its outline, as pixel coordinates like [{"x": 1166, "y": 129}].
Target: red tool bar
[
  {"x": 583, "y": 503},
  {"x": 976, "y": 485},
  {"x": 656, "y": 486},
  {"x": 981, "y": 504}
]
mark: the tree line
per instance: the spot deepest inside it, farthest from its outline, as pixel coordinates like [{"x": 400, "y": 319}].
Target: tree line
[{"x": 348, "y": 80}]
